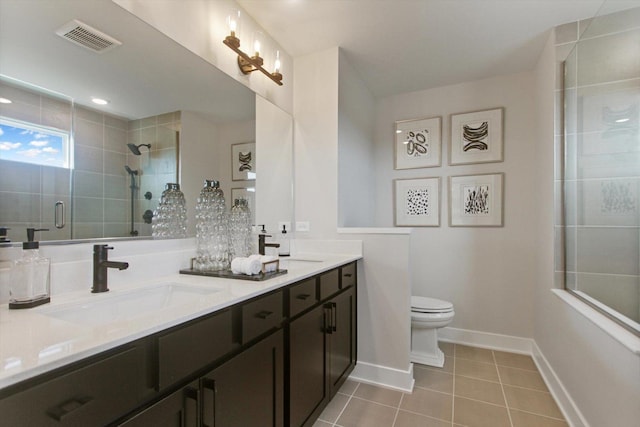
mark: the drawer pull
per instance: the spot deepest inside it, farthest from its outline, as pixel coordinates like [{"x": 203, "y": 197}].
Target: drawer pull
[
  {"x": 303, "y": 297},
  {"x": 347, "y": 274},
  {"x": 334, "y": 317},
  {"x": 264, "y": 314},
  {"x": 58, "y": 413},
  {"x": 191, "y": 418}
]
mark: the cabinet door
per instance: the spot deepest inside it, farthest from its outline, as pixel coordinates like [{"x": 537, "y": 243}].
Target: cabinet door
[
  {"x": 342, "y": 333},
  {"x": 307, "y": 366},
  {"x": 247, "y": 390},
  {"x": 179, "y": 409}
]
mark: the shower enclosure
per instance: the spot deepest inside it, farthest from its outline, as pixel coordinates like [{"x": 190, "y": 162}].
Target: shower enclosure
[{"x": 602, "y": 167}]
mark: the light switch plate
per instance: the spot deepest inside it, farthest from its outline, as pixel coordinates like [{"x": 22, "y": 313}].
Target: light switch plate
[{"x": 302, "y": 226}]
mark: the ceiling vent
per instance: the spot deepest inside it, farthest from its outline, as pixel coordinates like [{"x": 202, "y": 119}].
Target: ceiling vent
[{"x": 83, "y": 35}]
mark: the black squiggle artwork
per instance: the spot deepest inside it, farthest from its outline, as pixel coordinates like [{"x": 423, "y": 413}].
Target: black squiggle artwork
[
  {"x": 417, "y": 143},
  {"x": 245, "y": 161},
  {"x": 474, "y": 136},
  {"x": 476, "y": 200}
]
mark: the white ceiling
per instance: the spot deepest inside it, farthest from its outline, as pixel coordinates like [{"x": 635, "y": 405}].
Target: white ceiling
[{"x": 406, "y": 45}]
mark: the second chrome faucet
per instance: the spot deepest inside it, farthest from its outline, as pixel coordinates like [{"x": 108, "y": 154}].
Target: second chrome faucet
[{"x": 101, "y": 265}]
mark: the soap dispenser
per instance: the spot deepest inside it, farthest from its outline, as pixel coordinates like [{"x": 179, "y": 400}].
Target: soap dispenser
[
  {"x": 283, "y": 250},
  {"x": 30, "y": 275}
]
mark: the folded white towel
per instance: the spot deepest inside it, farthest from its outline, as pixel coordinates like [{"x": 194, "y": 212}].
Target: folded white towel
[{"x": 246, "y": 266}]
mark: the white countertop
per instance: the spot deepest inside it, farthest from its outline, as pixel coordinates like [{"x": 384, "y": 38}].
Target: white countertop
[{"x": 32, "y": 342}]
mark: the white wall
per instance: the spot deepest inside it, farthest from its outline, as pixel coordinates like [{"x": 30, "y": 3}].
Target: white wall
[
  {"x": 487, "y": 273},
  {"x": 600, "y": 374},
  {"x": 356, "y": 172},
  {"x": 315, "y": 115}
]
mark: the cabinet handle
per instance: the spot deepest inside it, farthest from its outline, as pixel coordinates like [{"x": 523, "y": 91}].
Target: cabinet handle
[
  {"x": 264, "y": 314},
  {"x": 61, "y": 411},
  {"x": 193, "y": 394},
  {"x": 209, "y": 384},
  {"x": 303, "y": 297},
  {"x": 334, "y": 317},
  {"x": 328, "y": 318}
]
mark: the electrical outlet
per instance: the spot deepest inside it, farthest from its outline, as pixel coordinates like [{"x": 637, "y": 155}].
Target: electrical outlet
[
  {"x": 287, "y": 225},
  {"x": 302, "y": 226}
]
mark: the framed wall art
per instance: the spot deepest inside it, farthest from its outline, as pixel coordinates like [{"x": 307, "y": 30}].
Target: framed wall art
[
  {"x": 476, "y": 200},
  {"x": 476, "y": 137},
  {"x": 417, "y": 202},
  {"x": 243, "y": 161},
  {"x": 418, "y": 143}
]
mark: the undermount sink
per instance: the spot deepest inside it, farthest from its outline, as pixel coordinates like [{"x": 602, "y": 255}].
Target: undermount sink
[{"x": 101, "y": 309}]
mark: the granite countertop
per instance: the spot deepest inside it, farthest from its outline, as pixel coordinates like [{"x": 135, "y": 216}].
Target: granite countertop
[{"x": 33, "y": 342}]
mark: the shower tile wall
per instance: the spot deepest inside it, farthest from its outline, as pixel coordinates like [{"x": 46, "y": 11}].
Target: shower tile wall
[
  {"x": 28, "y": 193},
  {"x": 602, "y": 161},
  {"x": 157, "y": 166},
  {"x": 100, "y": 184}
]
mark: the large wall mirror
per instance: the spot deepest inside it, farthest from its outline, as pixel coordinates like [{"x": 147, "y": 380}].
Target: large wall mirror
[
  {"x": 88, "y": 171},
  {"x": 602, "y": 165}
]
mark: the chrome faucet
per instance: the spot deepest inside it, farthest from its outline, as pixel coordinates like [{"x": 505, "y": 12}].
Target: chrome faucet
[
  {"x": 101, "y": 264},
  {"x": 262, "y": 244}
]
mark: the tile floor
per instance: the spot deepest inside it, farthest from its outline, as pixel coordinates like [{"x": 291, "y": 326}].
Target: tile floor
[{"x": 475, "y": 388}]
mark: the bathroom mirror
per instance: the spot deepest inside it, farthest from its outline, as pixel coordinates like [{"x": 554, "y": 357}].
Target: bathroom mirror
[
  {"x": 601, "y": 163},
  {"x": 171, "y": 117}
]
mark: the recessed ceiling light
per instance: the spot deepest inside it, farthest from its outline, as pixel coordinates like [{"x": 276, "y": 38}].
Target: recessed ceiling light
[
  {"x": 5, "y": 101},
  {"x": 99, "y": 101},
  {"x": 622, "y": 120}
]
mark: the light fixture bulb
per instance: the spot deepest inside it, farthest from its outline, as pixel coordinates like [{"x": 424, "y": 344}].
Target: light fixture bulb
[
  {"x": 233, "y": 21},
  {"x": 277, "y": 64},
  {"x": 257, "y": 43}
]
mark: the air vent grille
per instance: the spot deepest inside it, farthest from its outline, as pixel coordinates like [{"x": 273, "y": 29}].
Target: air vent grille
[{"x": 86, "y": 36}]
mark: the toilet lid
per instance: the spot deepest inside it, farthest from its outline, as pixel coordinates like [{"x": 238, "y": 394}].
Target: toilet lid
[{"x": 430, "y": 305}]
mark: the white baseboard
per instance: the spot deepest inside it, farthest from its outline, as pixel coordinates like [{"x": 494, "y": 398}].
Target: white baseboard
[
  {"x": 566, "y": 404},
  {"x": 524, "y": 346},
  {"x": 384, "y": 376}
]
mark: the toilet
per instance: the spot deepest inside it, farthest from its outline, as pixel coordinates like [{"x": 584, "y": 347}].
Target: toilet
[{"x": 427, "y": 315}]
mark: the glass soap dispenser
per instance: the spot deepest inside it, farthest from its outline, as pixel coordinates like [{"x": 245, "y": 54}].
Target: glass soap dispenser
[{"x": 30, "y": 275}]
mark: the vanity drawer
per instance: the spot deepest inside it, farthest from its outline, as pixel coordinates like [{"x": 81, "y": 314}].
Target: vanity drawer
[
  {"x": 302, "y": 296},
  {"x": 261, "y": 315},
  {"x": 329, "y": 283},
  {"x": 192, "y": 347},
  {"x": 348, "y": 275},
  {"x": 92, "y": 395}
]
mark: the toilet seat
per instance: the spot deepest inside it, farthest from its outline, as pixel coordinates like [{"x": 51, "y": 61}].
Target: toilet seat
[{"x": 430, "y": 305}]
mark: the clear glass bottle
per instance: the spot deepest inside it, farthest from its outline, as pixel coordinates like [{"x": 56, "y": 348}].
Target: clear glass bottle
[
  {"x": 240, "y": 229},
  {"x": 212, "y": 229},
  {"x": 170, "y": 218},
  {"x": 30, "y": 276}
]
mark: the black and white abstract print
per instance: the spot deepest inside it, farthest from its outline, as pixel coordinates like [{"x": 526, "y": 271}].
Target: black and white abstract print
[
  {"x": 418, "y": 202},
  {"x": 418, "y": 142},
  {"x": 244, "y": 161},
  {"x": 476, "y": 200},
  {"x": 475, "y": 136}
]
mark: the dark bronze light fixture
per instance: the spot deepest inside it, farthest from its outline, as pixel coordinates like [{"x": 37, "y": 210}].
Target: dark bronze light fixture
[{"x": 246, "y": 63}]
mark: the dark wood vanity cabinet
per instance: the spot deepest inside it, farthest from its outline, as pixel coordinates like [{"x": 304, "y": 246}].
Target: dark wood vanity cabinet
[{"x": 274, "y": 360}]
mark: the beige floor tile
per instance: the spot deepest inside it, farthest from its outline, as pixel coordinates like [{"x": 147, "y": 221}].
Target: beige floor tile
[
  {"x": 514, "y": 360},
  {"x": 320, "y": 423},
  {"x": 333, "y": 409},
  {"x": 522, "y": 378},
  {"x": 474, "y": 353},
  {"x": 479, "y": 370},
  {"x": 348, "y": 387},
  {"x": 409, "y": 419},
  {"x": 536, "y": 402},
  {"x": 432, "y": 379},
  {"x": 485, "y": 391},
  {"x": 524, "y": 419},
  {"x": 447, "y": 348},
  {"x": 366, "y": 414},
  {"x": 379, "y": 395},
  {"x": 428, "y": 402},
  {"x": 472, "y": 413},
  {"x": 448, "y": 365}
]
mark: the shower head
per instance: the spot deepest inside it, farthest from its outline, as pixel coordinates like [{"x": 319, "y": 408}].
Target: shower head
[
  {"x": 130, "y": 171},
  {"x": 135, "y": 149}
]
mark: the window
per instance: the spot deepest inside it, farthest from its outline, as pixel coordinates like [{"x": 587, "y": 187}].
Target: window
[{"x": 30, "y": 143}]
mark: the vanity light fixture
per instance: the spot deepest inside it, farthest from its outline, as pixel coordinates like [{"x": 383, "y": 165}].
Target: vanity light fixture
[{"x": 246, "y": 63}]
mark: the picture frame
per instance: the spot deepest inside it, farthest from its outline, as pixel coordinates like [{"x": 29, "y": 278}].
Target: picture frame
[
  {"x": 243, "y": 161},
  {"x": 418, "y": 143},
  {"x": 476, "y": 200},
  {"x": 417, "y": 202},
  {"x": 247, "y": 193},
  {"x": 477, "y": 137}
]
